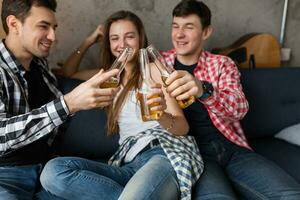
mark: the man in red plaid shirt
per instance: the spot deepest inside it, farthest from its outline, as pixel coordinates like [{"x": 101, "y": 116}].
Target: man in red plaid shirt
[{"x": 232, "y": 169}]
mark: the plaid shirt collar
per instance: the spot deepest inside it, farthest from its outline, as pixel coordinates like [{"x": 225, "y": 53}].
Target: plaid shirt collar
[
  {"x": 13, "y": 103},
  {"x": 13, "y": 65},
  {"x": 170, "y": 57}
]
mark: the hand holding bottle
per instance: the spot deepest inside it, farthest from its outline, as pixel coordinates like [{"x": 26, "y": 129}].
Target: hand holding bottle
[
  {"x": 156, "y": 100},
  {"x": 88, "y": 95},
  {"x": 183, "y": 99},
  {"x": 146, "y": 91},
  {"x": 119, "y": 64},
  {"x": 182, "y": 85}
]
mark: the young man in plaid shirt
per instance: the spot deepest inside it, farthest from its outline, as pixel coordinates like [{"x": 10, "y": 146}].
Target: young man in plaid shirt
[
  {"x": 232, "y": 169},
  {"x": 31, "y": 107}
]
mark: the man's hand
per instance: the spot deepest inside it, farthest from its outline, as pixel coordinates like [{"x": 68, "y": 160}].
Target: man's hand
[
  {"x": 89, "y": 95},
  {"x": 182, "y": 85}
]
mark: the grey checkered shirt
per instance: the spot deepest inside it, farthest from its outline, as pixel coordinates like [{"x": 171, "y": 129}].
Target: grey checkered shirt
[
  {"x": 182, "y": 151},
  {"x": 19, "y": 125}
]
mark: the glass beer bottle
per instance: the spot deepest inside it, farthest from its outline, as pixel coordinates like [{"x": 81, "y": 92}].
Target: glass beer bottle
[
  {"x": 119, "y": 63},
  {"x": 145, "y": 89},
  {"x": 165, "y": 70}
]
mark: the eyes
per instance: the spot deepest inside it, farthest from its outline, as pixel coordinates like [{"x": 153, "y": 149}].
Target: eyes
[
  {"x": 45, "y": 27},
  {"x": 115, "y": 38},
  {"x": 184, "y": 27}
]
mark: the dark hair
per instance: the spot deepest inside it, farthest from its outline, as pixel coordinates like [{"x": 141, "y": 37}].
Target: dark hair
[
  {"x": 188, "y": 7},
  {"x": 107, "y": 58},
  {"x": 20, "y": 9}
]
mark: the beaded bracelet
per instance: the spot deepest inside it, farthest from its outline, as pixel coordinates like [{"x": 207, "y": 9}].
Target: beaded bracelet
[
  {"x": 172, "y": 122},
  {"x": 78, "y": 51}
]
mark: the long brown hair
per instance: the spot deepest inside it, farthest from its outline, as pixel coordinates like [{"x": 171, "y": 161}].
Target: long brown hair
[{"x": 107, "y": 58}]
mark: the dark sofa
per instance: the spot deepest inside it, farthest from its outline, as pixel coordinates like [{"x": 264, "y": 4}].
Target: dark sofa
[{"x": 274, "y": 104}]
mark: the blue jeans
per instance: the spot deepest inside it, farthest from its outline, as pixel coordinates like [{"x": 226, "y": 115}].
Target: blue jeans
[
  {"x": 233, "y": 172},
  {"x": 22, "y": 183},
  {"x": 149, "y": 176}
]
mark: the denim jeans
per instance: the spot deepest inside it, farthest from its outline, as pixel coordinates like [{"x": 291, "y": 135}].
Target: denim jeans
[
  {"x": 149, "y": 176},
  {"x": 22, "y": 183},
  {"x": 233, "y": 172}
]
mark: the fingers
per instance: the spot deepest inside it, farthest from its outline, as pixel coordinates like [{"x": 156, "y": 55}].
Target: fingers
[
  {"x": 102, "y": 97},
  {"x": 100, "y": 33},
  {"x": 156, "y": 100},
  {"x": 96, "y": 35},
  {"x": 105, "y": 91},
  {"x": 174, "y": 76},
  {"x": 102, "y": 76},
  {"x": 157, "y": 104},
  {"x": 182, "y": 90},
  {"x": 155, "y": 92},
  {"x": 161, "y": 108},
  {"x": 182, "y": 85},
  {"x": 100, "y": 29},
  {"x": 177, "y": 79}
]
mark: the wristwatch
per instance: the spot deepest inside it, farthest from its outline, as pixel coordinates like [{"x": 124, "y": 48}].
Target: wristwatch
[{"x": 207, "y": 90}]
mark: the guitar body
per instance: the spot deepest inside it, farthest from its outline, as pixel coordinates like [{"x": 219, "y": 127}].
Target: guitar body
[{"x": 262, "y": 49}]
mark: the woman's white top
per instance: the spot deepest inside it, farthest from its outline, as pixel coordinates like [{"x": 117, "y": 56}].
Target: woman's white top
[{"x": 130, "y": 124}]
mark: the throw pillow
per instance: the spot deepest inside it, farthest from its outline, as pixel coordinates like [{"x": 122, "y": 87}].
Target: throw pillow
[{"x": 290, "y": 134}]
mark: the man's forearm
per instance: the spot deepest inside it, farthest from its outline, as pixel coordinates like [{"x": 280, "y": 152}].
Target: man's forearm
[{"x": 21, "y": 130}]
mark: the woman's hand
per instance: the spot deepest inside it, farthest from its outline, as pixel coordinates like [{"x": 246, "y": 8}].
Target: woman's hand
[
  {"x": 95, "y": 36},
  {"x": 156, "y": 99}
]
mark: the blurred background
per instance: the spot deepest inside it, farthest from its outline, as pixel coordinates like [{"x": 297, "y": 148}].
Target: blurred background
[{"x": 231, "y": 20}]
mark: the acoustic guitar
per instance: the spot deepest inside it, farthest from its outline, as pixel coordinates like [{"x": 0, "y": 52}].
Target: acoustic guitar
[{"x": 260, "y": 50}]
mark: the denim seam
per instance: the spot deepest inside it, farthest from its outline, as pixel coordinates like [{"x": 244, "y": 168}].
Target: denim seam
[
  {"x": 78, "y": 174},
  {"x": 256, "y": 193},
  {"x": 160, "y": 183}
]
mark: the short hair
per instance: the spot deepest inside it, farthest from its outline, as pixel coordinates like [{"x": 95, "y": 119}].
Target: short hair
[
  {"x": 20, "y": 9},
  {"x": 188, "y": 7}
]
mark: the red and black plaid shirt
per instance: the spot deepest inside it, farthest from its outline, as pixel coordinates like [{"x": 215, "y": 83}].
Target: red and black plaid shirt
[{"x": 227, "y": 104}]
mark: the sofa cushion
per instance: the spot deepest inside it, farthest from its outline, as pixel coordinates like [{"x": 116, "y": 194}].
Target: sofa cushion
[
  {"x": 290, "y": 134},
  {"x": 85, "y": 133},
  {"x": 282, "y": 153},
  {"x": 273, "y": 99}
]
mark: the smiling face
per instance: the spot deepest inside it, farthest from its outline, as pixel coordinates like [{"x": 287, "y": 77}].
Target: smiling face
[
  {"x": 37, "y": 33},
  {"x": 188, "y": 36},
  {"x": 123, "y": 33}
]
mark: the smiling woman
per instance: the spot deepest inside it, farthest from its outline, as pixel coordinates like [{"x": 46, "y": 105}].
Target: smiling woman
[{"x": 152, "y": 155}]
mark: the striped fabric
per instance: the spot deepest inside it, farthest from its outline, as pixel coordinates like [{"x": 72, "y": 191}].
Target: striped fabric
[
  {"x": 19, "y": 125},
  {"x": 182, "y": 151},
  {"x": 227, "y": 104}
]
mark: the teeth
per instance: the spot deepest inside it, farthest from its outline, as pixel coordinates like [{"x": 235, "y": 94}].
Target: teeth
[{"x": 46, "y": 45}]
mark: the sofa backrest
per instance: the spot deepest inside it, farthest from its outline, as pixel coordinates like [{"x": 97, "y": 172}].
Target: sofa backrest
[
  {"x": 85, "y": 134},
  {"x": 273, "y": 97},
  {"x": 274, "y": 100}
]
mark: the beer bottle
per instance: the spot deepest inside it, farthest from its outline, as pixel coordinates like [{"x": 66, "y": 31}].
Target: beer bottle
[
  {"x": 145, "y": 89},
  {"x": 119, "y": 63},
  {"x": 165, "y": 70}
]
